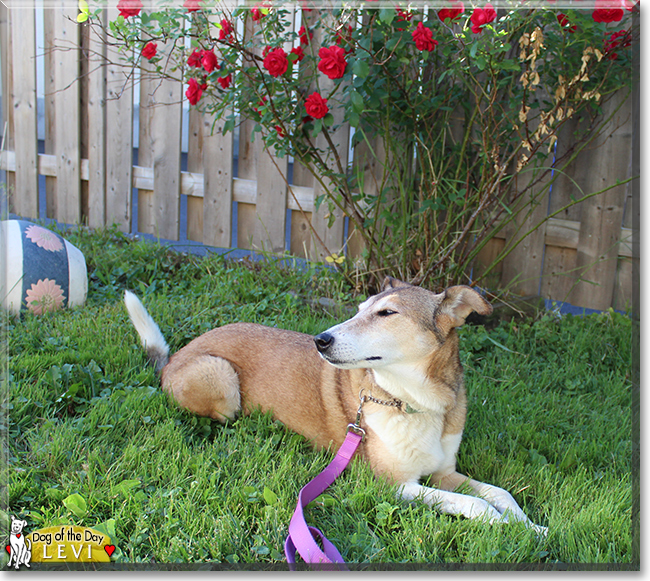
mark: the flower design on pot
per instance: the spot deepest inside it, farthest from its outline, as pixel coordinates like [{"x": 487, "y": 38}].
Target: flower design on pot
[
  {"x": 44, "y": 238},
  {"x": 44, "y": 296}
]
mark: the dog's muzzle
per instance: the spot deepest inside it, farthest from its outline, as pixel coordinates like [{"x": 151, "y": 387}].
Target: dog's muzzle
[{"x": 323, "y": 341}]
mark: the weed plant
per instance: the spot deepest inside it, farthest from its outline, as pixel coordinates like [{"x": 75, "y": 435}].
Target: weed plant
[{"x": 91, "y": 440}]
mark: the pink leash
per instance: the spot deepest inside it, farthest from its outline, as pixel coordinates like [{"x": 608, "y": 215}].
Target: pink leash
[{"x": 301, "y": 536}]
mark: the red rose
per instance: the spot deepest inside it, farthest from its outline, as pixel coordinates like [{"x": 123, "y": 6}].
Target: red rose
[
  {"x": 344, "y": 37},
  {"x": 191, "y": 5},
  {"x": 226, "y": 30},
  {"x": 564, "y": 23},
  {"x": 482, "y": 16},
  {"x": 193, "y": 92},
  {"x": 279, "y": 131},
  {"x": 256, "y": 11},
  {"x": 620, "y": 39},
  {"x": 452, "y": 13},
  {"x": 129, "y": 7},
  {"x": 298, "y": 51},
  {"x": 403, "y": 16},
  {"x": 304, "y": 39},
  {"x": 332, "y": 61},
  {"x": 225, "y": 81},
  {"x": 276, "y": 62},
  {"x": 209, "y": 60},
  {"x": 423, "y": 38},
  {"x": 607, "y": 14},
  {"x": 316, "y": 106},
  {"x": 149, "y": 50},
  {"x": 194, "y": 60},
  {"x": 260, "y": 104}
]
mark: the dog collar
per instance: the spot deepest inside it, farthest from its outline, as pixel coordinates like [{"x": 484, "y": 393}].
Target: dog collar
[{"x": 395, "y": 402}]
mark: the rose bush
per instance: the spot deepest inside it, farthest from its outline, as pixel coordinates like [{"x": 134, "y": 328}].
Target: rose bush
[{"x": 452, "y": 104}]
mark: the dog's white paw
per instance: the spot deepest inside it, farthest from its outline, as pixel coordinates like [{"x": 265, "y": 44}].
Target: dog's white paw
[{"x": 540, "y": 530}]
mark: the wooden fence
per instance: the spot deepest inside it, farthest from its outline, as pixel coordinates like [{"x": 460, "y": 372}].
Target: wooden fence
[{"x": 582, "y": 256}]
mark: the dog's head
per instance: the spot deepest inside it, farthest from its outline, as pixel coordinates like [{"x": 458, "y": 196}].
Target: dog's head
[
  {"x": 401, "y": 324},
  {"x": 17, "y": 525}
]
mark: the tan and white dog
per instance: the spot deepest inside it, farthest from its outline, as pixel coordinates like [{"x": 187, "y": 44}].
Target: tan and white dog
[{"x": 400, "y": 351}]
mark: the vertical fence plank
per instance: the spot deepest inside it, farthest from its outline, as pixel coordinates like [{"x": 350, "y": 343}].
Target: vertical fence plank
[
  {"x": 217, "y": 183},
  {"x": 84, "y": 136},
  {"x": 97, "y": 127},
  {"x": 166, "y": 152},
  {"x": 246, "y": 169},
  {"x": 559, "y": 274},
  {"x": 247, "y": 162},
  {"x": 119, "y": 138},
  {"x": 67, "y": 113},
  {"x": 368, "y": 169},
  {"x": 195, "y": 165},
  {"x": 7, "y": 94},
  {"x": 49, "y": 97},
  {"x": 331, "y": 238},
  {"x": 522, "y": 268},
  {"x": 271, "y": 200},
  {"x": 145, "y": 159},
  {"x": 23, "y": 27},
  {"x": 301, "y": 234},
  {"x": 602, "y": 215}
]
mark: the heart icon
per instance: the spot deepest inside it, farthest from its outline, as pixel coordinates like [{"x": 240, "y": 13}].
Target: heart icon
[
  {"x": 110, "y": 549},
  {"x": 18, "y": 535},
  {"x": 8, "y": 547}
]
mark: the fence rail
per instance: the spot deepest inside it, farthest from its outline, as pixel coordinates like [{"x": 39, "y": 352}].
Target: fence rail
[{"x": 582, "y": 255}]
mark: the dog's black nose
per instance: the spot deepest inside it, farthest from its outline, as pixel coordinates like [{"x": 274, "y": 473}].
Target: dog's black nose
[{"x": 323, "y": 342}]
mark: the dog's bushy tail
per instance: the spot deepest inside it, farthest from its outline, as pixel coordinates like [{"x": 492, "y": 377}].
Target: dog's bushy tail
[{"x": 152, "y": 339}]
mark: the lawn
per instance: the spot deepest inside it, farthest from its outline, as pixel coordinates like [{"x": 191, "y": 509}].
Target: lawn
[{"x": 91, "y": 440}]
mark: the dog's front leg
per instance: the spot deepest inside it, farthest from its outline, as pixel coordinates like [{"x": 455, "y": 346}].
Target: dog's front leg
[
  {"x": 499, "y": 498},
  {"x": 451, "y": 502}
]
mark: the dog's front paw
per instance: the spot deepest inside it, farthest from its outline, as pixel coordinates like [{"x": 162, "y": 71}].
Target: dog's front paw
[{"x": 540, "y": 531}]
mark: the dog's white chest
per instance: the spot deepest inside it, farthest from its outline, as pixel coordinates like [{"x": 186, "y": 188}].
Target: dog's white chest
[{"x": 415, "y": 442}]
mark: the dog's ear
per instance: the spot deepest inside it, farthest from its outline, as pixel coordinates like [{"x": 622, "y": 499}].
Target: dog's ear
[
  {"x": 457, "y": 304},
  {"x": 390, "y": 282}
]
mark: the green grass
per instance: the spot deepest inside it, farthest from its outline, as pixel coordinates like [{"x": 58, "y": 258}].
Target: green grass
[{"x": 549, "y": 419}]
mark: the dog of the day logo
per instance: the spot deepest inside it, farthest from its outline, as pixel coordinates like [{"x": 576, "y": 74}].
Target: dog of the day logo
[{"x": 57, "y": 544}]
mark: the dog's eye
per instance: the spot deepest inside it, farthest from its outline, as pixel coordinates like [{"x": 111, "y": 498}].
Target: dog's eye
[{"x": 386, "y": 313}]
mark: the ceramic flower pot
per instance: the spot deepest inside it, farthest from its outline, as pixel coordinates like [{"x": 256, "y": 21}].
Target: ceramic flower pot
[{"x": 41, "y": 270}]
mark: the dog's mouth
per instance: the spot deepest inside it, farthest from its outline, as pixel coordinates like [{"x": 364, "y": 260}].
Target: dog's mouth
[{"x": 349, "y": 364}]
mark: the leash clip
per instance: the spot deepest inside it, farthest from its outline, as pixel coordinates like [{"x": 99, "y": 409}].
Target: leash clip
[{"x": 356, "y": 426}]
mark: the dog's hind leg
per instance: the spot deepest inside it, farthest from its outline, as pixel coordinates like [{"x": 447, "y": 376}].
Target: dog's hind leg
[{"x": 206, "y": 386}]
